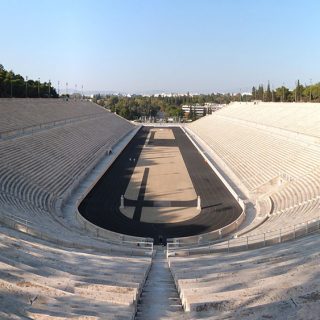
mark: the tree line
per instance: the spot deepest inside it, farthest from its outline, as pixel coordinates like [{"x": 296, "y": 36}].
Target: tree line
[
  {"x": 138, "y": 106},
  {"x": 301, "y": 93},
  {"x": 15, "y": 86}
]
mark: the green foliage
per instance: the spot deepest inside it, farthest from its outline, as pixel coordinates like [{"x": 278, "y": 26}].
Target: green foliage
[
  {"x": 297, "y": 92},
  {"x": 283, "y": 94},
  {"x": 312, "y": 92},
  {"x": 138, "y": 106},
  {"x": 14, "y": 85},
  {"x": 268, "y": 94},
  {"x": 254, "y": 93}
]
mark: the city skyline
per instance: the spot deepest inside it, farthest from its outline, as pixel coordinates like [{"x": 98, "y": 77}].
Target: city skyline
[{"x": 176, "y": 46}]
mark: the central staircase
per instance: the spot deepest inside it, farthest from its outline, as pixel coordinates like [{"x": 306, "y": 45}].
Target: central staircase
[{"x": 159, "y": 298}]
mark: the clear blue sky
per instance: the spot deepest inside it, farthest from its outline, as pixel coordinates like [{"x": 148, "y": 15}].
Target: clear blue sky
[{"x": 170, "y": 45}]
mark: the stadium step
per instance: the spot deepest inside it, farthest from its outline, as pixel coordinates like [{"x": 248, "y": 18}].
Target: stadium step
[{"x": 159, "y": 298}]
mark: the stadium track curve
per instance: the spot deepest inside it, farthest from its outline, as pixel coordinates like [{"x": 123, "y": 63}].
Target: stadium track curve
[{"x": 101, "y": 205}]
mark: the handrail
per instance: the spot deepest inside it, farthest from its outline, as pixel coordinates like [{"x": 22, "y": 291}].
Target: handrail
[
  {"x": 31, "y": 229},
  {"x": 250, "y": 242},
  {"x": 11, "y": 134}
]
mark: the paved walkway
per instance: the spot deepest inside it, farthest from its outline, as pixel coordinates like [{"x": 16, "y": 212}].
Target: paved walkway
[{"x": 159, "y": 298}]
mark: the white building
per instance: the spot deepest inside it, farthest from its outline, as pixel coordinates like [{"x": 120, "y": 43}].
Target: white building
[{"x": 201, "y": 110}]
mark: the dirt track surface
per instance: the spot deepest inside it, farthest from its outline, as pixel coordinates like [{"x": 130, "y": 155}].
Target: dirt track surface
[
  {"x": 159, "y": 181},
  {"x": 101, "y": 206}
]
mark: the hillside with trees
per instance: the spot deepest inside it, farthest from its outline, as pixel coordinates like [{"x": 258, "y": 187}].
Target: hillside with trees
[{"x": 15, "y": 86}]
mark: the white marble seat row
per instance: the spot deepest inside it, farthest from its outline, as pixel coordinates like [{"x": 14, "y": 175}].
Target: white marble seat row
[
  {"x": 281, "y": 173},
  {"x": 39, "y": 279},
  {"x": 297, "y": 191},
  {"x": 288, "y": 219},
  {"x": 18, "y": 114},
  {"x": 39, "y": 171},
  {"x": 242, "y": 285},
  {"x": 51, "y": 160},
  {"x": 61, "y": 271},
  {"x": 275, "y": 282},
  {"x": 296, "y": 203},
  {"x": 301, "y": 118},
  {"x": 253, "y": 155}
]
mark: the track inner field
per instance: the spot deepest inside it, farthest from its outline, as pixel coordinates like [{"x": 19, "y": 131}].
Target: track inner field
[{"x": 101, "y": 206}]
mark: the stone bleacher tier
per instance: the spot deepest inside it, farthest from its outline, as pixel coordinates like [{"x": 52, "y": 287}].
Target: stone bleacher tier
[
  {"x": 273, "y": 152},
  {"x": 38, "y": 169},
  {"x": 46, "y": 147},
  {"x": 19, "y": 114},
  {"x": 40, "y": 280},
  {"x": 268, "y": 283},
  {"x": 273, "y": 149}
]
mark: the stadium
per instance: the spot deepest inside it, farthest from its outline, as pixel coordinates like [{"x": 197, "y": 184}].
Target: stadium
[{"x": 102, "y": 218}]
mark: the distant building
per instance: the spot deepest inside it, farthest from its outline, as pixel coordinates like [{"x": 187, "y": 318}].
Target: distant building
[{"x": 201, "y": 110}]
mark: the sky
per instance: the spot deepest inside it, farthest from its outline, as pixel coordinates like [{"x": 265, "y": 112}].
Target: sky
[{"x": 141, "y": 46}]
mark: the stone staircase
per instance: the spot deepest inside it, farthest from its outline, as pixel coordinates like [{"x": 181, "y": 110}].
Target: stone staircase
[{"x": 159, "y": 298}]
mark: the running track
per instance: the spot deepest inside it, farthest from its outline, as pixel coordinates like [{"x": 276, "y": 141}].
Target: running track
[{"x": 101, "y": 205}]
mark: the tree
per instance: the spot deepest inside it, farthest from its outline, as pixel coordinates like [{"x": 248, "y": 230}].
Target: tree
[
  {"x": 260, "y": 92},
  {"x": 268, "y": 94},
  {"x": 254, "y": 93},
  {"x": 297, "y": 92},
  {"x": 282, "y": 94},
  {"x": 13, "y": 85}
]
